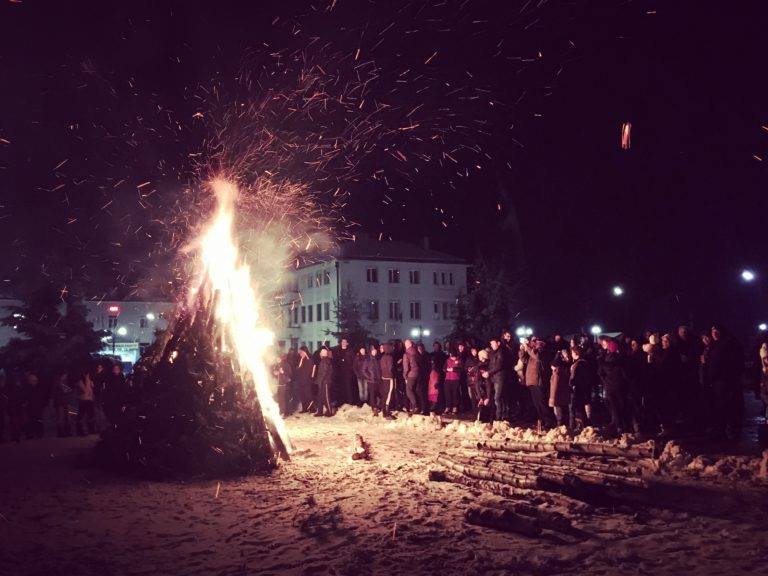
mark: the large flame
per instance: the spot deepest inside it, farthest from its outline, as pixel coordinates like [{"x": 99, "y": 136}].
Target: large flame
[{"x": 238, "y": 307}]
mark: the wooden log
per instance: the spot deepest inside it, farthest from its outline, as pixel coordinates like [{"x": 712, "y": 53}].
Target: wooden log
[
  {"x": 557, "y": 471},
  {"x": 631, "y": 452},
  {"x": 548, "y": 519},
  {"x": 619, "y": 468},
  {"x": 504, "y": 520},
  {"x": 517, "y": 480},
  {"x": 512, "y": 492}
]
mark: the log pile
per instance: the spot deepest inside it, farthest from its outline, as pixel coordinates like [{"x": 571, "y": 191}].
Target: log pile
[
  {"x": 542, "y": 474},
  {"x": 186, "y": 411}
]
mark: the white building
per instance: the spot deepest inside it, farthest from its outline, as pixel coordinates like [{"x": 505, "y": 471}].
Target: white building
[{"x": 404, "y": 291}]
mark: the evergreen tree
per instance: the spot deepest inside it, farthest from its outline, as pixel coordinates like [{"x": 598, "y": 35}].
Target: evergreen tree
[
  {"x": 54, "y": 331},
  {"x": 348, "y": 314}
]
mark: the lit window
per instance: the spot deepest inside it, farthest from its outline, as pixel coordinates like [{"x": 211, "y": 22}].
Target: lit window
[
  {"x": 414, "y": 276},
  {"x": 415, "y": 311},
  {"x": 373, "y": 310},
  {"x": 372, "y": 274},
  {"x": 394, "y": 276}
]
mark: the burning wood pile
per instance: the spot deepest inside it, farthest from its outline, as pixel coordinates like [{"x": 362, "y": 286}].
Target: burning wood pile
[
  {"x": 556, "y": 474},
  {"x": 188, "y": 411},
  {"x": 200, "y": 401}
]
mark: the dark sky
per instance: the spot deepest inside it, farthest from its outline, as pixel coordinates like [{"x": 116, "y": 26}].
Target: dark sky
[{"x": 488, "y": 102}]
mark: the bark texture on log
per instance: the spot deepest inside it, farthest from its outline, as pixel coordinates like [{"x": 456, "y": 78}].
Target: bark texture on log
[
  {"x": 631, "y": 452},
  {"x": 504, "y": 520}
]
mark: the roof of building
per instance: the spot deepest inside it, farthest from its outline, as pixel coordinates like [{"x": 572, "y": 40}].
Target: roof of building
[{"x": 366, "y": 248}]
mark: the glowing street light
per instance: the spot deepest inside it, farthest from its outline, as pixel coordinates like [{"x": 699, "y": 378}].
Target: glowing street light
[
  {"x": 762, "y": 326},
  {"x": 596, "y": 330},
  {"x": 748, "y": 275},
  {"x": 618, "y": 291},
  {"x": 122, "y": 331},
  {"x": 150, "y": 316}
]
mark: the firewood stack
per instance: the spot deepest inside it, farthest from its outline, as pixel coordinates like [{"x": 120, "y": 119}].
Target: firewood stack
[
  {"x": 541, "y": 473},
  {"x": 186, "y": 410}
]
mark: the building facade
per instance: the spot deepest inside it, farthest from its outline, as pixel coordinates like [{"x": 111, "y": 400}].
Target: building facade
[{"x": 402, "y": 290}]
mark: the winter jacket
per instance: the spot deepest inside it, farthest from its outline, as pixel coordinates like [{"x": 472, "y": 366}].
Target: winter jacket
[
  {"x": 302, "y": 374},
  {"x": 343, "y": 358},
  {"x": 496, "y": 366},
  {"x": 357, "y": 365},
  {"x": 534, "y": 368},
  {"x": 324, "y": 372},
  {"x": 453, "y": 369},
  {"x": 559, "y": 383},
  {"x": 411, "y": 363},
  {"x": 581, "y": 382},
  {"x": 387, "y": 362},
  {"x": 372, "y": 369},
  {"x": 611, "y": 371}
]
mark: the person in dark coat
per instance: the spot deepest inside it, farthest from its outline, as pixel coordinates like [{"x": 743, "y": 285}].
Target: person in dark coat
[
  {"x": 115, "y": 393},
  {"x": 636, "y": 372},
  {"x": 387, "y": 365},
  {"x": 612, "y": 375},
  {"x": 472, "y": 370},
  {"x": 670, "y": 376},
  {"x": 344, "y": 373},
  {"x": 497, "y": 376},
  {"x": 61, "y": 396},
  {"x": 560, "y": 388},
  {"x": 411, "y": 371},
  {"x": 425, "y": 366},
  {"x": 485, "y": 393},
  {"x": 357, "y": 367},
  {"x": 379, "y": 393},
  {"x": 537, "y": 378},
  {"x": 323, "y": 381},
  {"x": 689, "y": 349},
  {"x": 726, "y": 364},
  {"x": 302, "y": 378},
  {"x": 283, "y": 372},
  {"x": 581, "y": 389}
]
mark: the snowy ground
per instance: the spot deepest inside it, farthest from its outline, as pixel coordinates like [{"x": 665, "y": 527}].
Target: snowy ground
[{"x": 325, "y": 514}]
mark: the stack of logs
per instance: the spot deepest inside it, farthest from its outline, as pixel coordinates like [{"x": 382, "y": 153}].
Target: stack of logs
[{"x": 540, "y": 473}]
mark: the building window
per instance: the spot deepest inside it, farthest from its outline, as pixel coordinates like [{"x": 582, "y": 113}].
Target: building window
[
  {"x": 436, "y": 309},
  {"x": 394, "y": 311},
  {"x": 373, "y": 310},
  {"x": 326, "y": 277},
  {"x": 303, "y": 314},
  {"x": 372, "y": 274},
  {"x": 415, "y": 311},
  {"x": 450, "y": 278},
  {"x": 434, "y": 278},
  {"x": 318, "y": 279},
  {"x": 394, "y": 276},
  {"x": 295, "y": 316},
  {"x": 309, "y": 280},
  {"x": 327, "y": 310},
  {"x": 445, "y": 311},
  {"x": 309, "y": 313},
  {"x": 320, "y": 313},
  {"x": 112, "y": 322},
  {"x": 414, "y": 276},
  {"x": 142, "y": 322},
  {"x": 442, "y": 278}
]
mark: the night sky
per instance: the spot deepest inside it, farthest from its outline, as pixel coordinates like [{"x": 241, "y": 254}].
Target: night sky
[{"x": 110, "y": 112}]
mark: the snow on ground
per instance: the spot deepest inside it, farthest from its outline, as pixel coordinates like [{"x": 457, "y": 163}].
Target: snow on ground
[{"x": 323, "y": 513}]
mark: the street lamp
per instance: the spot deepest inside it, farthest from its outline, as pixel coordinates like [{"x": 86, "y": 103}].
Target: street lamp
[
  {"x": 150, "y": 316},
  {"x": 762, "y": 326},
  {"x": 618, "y": 291},
  {"x": 748, "y": 275},
  {"x": 596, "y": 330},
  {"x": 122, "y": 331}
]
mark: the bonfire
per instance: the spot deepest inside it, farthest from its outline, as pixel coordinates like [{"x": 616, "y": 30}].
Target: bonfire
[{"x": 200, "y": 401}]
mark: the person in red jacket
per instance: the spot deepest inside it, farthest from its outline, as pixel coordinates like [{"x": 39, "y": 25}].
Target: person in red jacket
[{"x": 453, "y": 370}]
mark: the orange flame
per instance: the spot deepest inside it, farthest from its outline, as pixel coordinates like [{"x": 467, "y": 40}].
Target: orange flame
[{"x": 238, "y": 307}]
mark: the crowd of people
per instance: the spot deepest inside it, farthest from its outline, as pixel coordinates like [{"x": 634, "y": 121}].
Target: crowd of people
[
  {"x": 667, "y": 383},
  {"x": 79, "y": 400},
  {"x": 657, "y": 384}
]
